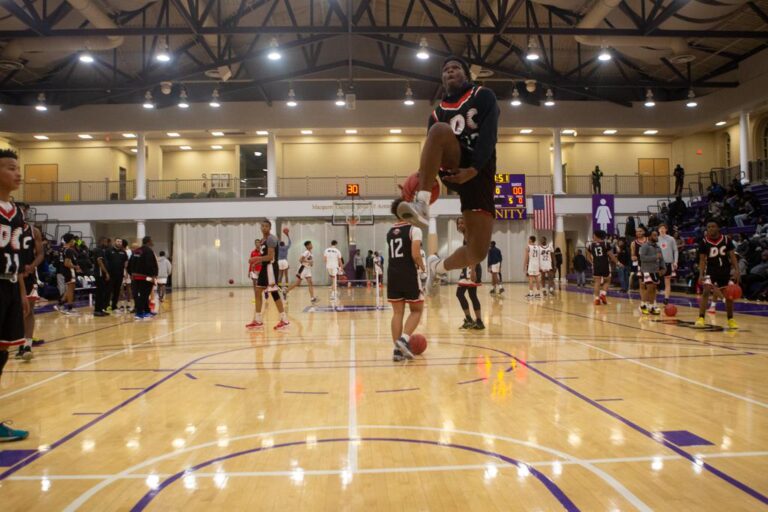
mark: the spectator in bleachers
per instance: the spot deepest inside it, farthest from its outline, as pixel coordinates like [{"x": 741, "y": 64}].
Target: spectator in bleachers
[
  {"x": 715, "y": 211},
  {"x": 622, "y": 254},
  {"x": 716, "y": 192},
  {"x": 737, "y": 187},
  {"x": 761, "y": 231},
  {"x": 580, "y": 267},
  {"x": 677, "y": 211},
  {"x": 664, "y": 213},
  {"x": 653, "y": 221},
  {"x": 679, "y": 174},
  {"x": 629, "y": 229},
  {"x": 597, "y": 175},
  {"x": 746, "y": 212},
  {"x": 755, "y": 283}
]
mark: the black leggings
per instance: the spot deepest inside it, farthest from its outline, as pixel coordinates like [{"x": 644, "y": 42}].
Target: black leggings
[{"x": 461, "y": 291}]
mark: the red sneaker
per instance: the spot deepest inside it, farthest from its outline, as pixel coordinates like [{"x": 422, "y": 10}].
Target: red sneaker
[
  {"x": 597, "y": 302},
  {"x": 282, "y": 325},
  {"x": 604, "y": 299},
  {"x": 254, "y": 325}
]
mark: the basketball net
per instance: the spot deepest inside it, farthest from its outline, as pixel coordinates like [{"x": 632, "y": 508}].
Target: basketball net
[{"x": 352, "y": 221}]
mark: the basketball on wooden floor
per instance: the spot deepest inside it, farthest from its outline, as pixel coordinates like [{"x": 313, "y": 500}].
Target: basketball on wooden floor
[
  {"x": 670, "y": 310},
  {"x": 411, "y": 185},
  {"x": 231, "y": 281},
  {"x": 733, "y": 291},
  {"x": 418, "y": 344}
]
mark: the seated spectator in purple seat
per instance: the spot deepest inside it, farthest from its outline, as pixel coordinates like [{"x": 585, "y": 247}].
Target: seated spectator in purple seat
[
  {"x": 761, "y": 231},
  {"x": 755, "y": 282},
  {"x": 745, "y": 212}
]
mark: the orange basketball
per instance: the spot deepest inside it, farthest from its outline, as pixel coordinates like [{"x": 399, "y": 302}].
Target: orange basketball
[
  {"x": 411, "y": 185},
  {"x": 670, "y": 310},
  {"x": 417, "y": 343},
  {"x": 231, "y": 281},
  {"x": 733, "y": 292}
]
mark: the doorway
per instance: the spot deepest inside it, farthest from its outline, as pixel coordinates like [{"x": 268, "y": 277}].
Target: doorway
[
  {"x": 40, "y": 182},
  {"x": 654, "y": 175}
]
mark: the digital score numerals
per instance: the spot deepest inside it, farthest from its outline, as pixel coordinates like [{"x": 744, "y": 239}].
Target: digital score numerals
[
  {"x": 353, "y": 189},
  {"x": 509, "y": 196}
]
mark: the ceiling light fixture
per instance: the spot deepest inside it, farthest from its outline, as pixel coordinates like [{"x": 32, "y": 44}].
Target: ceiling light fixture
[
  {"x": 217, "y": 133},
  {"x": 129, "y": 135},
  {"x": 185, "y": 148},
  {"x": 340, "y": 101},
  {"x": 291, "y": 99},
  {"x": 720, "y": 123},
  {"x": 173, "y": 134},
  {"x": 351, "y": 131},
  {"x": 649, "y": 101},
  {"x": 526, "y": 131},
  {"x": 85, "y": 136},
  {"x": 257, "y": 153},
  {"x": 395, "y": 131},
  {"x": 262, "y": 132},
  {"x": 134, "y": 150},
  {"x": 216, "y": 146},
  {"x": 515, "y": 98},
  {"x": 306, "y": 132},
  {"x": 423, "y": 53},
  {"x": 605, "y": 55},
  {"x": 610, "y": 131},
  {"x": 148, "y": 102},
  {"x": 650, "y": 132},
  {"x": 569, "y": 131},
  {"x": 41, "y": 106},
  {"x": 533, "y": 50},
  {"x": 408, "y": 97},
  {"x": 183, "y": 103},
  {"x": 274, "y": 50},
  {"x": 550, "y": 102},
  {"x": 163, "y": 55},
  {"x": 691, "y": 103},
  {"x": 41, "y": 137},
  {"x": 214, "y": 103},
  {"x": 86, "y": 57}
]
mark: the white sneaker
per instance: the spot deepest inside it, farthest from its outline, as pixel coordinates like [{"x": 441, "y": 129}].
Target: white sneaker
[
  {"x": 415, "y": 212},
  {"x": 432, "y": 273}
]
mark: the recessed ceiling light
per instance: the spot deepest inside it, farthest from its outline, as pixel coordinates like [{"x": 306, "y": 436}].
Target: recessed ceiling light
[
  {"x": 569, "y": 131},
  {"x": 173, "y": 134},
  {"x": 85, "y": 136},
  {"x": 217, "y": 134},
  {"x": 257, "y": 153},
  {"x": 306, "y": 132},
  {"x": 41, "y": 137},
  {"x": 185, "y": 148},
  {"x": 86, "y": 58},
  {"x": 650, "y": 132},
  {"x": 262, "y": 132},
  {"x": 526, "y": 131},
  {"x": 395, "y": 131},
  {"x": 129, "y": 135},
  {"x": 134, "y": 150},
  {"x": 610, "y": 132},
  {"x": 216, "y": 146},
  {"x": 351, "y": 132},
  {"x": 720, "y": 123}
]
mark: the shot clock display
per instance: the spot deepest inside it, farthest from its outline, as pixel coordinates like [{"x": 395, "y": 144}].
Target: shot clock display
[
  {"x": 353, "y": 190},
  {"x": 509, "y": 197}
]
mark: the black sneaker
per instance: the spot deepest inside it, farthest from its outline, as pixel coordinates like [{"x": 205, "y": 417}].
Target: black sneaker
[
  {"x": 397, "y": 356},
  {"x": 99, "y": 313},
  {"x": 405, "y": 349},
  {"x": 36, "y": 342},
  {"x": 468, "y": 324},
  {"x": 666, "y": 301},
  {"x": 24, "y": 353},
  {"x": 20, "y": 352},
  {"x": 479, "y": 325}
]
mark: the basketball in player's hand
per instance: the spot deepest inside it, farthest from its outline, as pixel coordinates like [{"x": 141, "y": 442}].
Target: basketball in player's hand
[
  {"x": 733, "y": 291},
  {"x": 286, "y": 231},
  {"x": 670, "y": 310},
  {"x": 411, "y": 186},
  {"x": 231, "y": 281},
  {"x": 417, "y": 344}
]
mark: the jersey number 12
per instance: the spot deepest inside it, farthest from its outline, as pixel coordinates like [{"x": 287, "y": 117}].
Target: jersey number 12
[{"x": 396, "y": 248}]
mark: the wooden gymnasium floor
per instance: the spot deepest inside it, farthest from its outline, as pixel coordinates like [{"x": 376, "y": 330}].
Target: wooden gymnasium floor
[{"x": 557, "y": 405}]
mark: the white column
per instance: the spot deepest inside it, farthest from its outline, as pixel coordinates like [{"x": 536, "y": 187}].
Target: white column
[
  {"x": 559, "y": 223},
  {"x": 557, "y": 162},
  {"x": 271, "y": 165},
  {"x": 141, "y": 169},
  {"x": 744, "y": 146},
  {"x": 141, "y": 230},
  {"x": 273, "y": 220}
]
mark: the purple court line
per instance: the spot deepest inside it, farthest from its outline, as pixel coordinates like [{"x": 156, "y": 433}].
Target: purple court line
[
  {"x": 471, "y": 381},
  {"x": 595, "y": 359},
  {"x": 396, "y": 390},
  {"x": 86, "y": 413},
  {"x": 458, "y": 358},
  {"x": 553, "y": 489},
  {"x": 190, "y": 376},
  {"x": 131, "y": 389},
  {"x": 228, "y": 386},
  {"x": 305, "y": 392},
  {"x": 608, "y": 399},
  {"x": 566, "y": 378},
  {"x": 92, "y": 370}
]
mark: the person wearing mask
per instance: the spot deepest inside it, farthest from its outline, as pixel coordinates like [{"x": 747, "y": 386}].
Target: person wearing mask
[
  {"x": 116, "y": 260},
  {"x": 359, "y": 267},
  {"x": 164, "y": 269},
  {"x": 669, "y": 252},
  {"x": 143, "y": 269},
  {"x": 494, "y": 267},
  {"x": 580, "y": 267},
  {"x": 679, "y": 174},
  {"x": 102, "y": 278}
]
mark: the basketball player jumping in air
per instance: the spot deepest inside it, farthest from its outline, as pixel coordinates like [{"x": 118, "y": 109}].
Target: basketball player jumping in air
[
  {"x": 531, "y": 265},
  {"x": 403, "y": 283},
  {"x": 600, "y": 255},
  {"x": 13, "y": 295},
  {"x": 267, "y": 278},
  {"x": 469, "y": 280},
  {"x": 717, "y": 268},
  {"x": 461, "y": 148}
]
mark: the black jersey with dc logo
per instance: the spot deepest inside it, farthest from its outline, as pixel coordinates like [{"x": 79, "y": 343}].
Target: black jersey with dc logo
[
  {"x": 11, "y": 229},
  {"x": 27, "y": 245},
  {"x": 717, "y": 252},
  {"x": 600, "y": 259},
  {"x": 401, "y": 268}
]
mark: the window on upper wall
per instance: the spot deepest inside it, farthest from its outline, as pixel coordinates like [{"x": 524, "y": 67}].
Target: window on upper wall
[{"x": 727, "y": 150}]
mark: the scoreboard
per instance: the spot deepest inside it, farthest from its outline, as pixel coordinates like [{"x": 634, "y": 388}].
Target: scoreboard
[{"x": 509, "y": 197}]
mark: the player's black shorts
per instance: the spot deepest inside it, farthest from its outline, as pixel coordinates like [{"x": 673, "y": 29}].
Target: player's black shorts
[
  {"x": 406, "y": 289},
  {"x": 268, "y": 275},
  {"x": 11, "y": 315},
  {"x": 69, "y": 275},
  {"x": 720, "y": 279},
  {"x": 601, "y": 272},
  {"x": 477, "y": 193}
]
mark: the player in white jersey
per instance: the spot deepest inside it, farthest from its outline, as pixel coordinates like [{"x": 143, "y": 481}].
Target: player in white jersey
[
  {"x": 305, "y": 271},
  {"x": 334, "y": 265},
  {"x": 546, "y": 255},
  {"x": 532, "y": 269}
]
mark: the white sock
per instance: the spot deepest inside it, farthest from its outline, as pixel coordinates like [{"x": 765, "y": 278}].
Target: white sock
[
  {"x": 257, "y": 317},
  {"x": 406, "y": 337},
  {"x": 283, "y": 317},
  {"x": 440, "y": 268},
  {"x": 27, "y": 342},
  {"x": 424, "y": 196},
  {"x": 602, "y": 292}
]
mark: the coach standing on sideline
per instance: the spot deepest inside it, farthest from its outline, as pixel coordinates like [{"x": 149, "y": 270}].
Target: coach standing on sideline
[
  {"x": 102, "y": 277},
  {"x": 143, "y": 270},
  {"x": 116, "y": 258}
]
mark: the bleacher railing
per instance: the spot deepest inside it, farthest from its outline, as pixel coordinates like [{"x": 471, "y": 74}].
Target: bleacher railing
[{"x": 373, "y": 187}]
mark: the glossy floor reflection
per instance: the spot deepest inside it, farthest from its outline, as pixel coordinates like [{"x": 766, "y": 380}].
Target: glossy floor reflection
[{"x": 557, "y": 405}]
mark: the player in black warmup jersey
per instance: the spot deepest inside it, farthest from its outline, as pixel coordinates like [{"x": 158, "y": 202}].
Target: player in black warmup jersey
[
  {"x": 717, "y": 268},
  {"x": 13, "y": 296},
  {"x": 31, "y": 256},
  {"x": 469, "y": 279},
  {"x": 461, "y": 148},
  {"x": 600, "y": 255},
  {"x": 403, "y": 283},
  {"x": 267, "y": 278}
]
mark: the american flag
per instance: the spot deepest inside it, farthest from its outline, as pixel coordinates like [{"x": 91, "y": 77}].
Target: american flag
[{"x": 544, "y": 212}]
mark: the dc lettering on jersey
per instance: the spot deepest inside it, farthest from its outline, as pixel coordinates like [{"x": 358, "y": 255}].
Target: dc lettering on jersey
[
  {"x": 10, "y": 236},
  {"x": 715, "y": 252}
]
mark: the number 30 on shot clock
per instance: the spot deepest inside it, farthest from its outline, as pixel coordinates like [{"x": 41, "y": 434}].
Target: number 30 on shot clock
[{"x": 353, "y": 189}]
